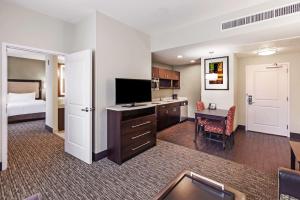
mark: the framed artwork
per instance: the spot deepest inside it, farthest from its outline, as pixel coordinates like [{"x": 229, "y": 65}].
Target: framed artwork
[{"x": 219, "y": 67}]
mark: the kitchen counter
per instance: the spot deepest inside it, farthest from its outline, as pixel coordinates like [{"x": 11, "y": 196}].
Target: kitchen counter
[{"x": 155, "y": 102}]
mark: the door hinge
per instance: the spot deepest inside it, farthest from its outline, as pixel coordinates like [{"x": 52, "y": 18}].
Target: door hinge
[
  {"x": 287, "y": 70},
  {"x": 287, "y": 127},
  {"x": 287, "y": 99},
  {"x": 48, "y": 62}
]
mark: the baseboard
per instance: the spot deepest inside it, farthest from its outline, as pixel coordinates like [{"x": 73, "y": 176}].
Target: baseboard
[
  {"x": 48, "y": 128},
  {"x": 190, "y": 119},
  {"x": 100, "y": 155},
  {"x": 295, "y": 136},
  {"x": 241, "y": 127}
]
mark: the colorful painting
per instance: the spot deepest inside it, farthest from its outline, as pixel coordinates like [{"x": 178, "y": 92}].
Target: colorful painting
[{"x": 219, "y": 66}]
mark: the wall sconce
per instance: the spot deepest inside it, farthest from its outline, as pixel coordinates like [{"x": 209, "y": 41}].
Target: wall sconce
[{"x": 211, "y": 76}]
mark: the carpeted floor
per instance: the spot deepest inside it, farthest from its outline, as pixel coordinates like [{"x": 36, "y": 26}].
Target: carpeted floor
[{"x": 37, "y": 163}]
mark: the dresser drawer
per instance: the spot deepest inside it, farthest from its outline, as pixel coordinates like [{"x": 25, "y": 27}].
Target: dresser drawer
[
  {"x": 137, "y": 148},
  {"x": 138, "y": 125},
  {"x": 137, "y": 137}
]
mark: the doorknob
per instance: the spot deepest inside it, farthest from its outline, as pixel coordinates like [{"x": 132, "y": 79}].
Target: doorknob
[{"x": 86, "y": 109}]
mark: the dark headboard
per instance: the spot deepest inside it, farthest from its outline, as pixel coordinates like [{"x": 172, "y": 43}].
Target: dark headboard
[{"x": 25, "y": 86}]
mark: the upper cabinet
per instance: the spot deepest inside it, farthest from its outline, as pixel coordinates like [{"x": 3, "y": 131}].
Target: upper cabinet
[
  {"x": 168, "y": 79},
  {"x": 155, "y": 72}
]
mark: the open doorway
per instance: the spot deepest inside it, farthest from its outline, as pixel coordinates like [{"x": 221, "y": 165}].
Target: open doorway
[{"x": 66, "y": 88}]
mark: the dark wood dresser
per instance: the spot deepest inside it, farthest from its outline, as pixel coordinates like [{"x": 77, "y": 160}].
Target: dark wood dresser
[{"x": 130, "y": 132}]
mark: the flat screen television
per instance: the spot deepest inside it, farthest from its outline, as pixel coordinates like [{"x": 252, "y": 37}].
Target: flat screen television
[{"x": 131, "y": 91}]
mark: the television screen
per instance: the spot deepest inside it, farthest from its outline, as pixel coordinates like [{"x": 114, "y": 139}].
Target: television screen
[{"x": 129, "y": 91}]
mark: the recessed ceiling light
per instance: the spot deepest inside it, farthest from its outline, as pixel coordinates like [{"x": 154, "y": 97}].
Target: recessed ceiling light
[
  {"x": 180, "y": 56},
  {"x": 192, "y": 61},
  {"x": 266, "y": 51}
]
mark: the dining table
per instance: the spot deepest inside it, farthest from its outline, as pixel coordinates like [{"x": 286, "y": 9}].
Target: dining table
[{"x": 209, "y": 114}]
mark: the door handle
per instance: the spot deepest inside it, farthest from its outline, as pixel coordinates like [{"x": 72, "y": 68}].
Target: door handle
[{"x": 86, "y": 109}]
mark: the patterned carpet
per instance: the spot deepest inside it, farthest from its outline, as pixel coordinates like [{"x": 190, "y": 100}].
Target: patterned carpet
[{"x": 37, "y": 163}]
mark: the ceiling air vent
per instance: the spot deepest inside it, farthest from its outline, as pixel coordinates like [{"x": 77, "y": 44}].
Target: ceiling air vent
[
  {"x": 287, "y": 10},
  {"x": 270, "y": 14}
]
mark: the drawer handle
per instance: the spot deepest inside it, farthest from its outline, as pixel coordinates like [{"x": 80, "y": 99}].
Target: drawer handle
[
  {"x": 142, "y": 124},
  {"x": 133, "y": 149},
  {"x": 141, "y": 135}
]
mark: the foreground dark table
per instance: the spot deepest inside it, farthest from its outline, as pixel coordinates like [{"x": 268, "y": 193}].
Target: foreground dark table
[{"x": 191, "y": 186}]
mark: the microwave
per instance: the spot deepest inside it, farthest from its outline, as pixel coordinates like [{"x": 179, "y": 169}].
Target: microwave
[{"x": 155, "y": 84}]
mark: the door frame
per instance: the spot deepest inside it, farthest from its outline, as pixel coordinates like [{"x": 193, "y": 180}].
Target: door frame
[
  {"x": 4, "y": 137},
  {"x": 288, "y": 93}
]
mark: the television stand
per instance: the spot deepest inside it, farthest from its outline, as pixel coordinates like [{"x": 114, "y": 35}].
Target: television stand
[
  {"x": 133, "y": 105},
  {"x": 130, "y": 132}
]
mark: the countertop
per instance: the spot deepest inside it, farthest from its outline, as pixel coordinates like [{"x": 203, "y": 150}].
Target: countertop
[{"x": 155, "y": 102}]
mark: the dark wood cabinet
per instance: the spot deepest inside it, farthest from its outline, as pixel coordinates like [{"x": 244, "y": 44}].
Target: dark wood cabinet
[
  {"x": 61, "y": 119},
  {"x": 167, "y": 115},
  {"x": 168, "y": 79},
  {"x": 130, "y": 133},
  {"x": 155, "y": 72}
]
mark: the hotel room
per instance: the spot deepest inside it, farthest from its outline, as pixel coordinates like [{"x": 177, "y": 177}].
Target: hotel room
[{"x": 150, "y": 100}]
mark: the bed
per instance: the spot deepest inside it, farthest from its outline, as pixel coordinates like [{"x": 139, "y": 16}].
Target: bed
[{"x": 24, "y": 102}]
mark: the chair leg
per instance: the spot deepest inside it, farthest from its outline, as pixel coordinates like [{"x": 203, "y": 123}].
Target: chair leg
[{"x": 224, "y": 141}]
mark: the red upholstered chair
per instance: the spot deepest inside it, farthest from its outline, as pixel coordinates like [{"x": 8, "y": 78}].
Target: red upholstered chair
[
  {"x": 219, "y": 128},
  {"x": 200, "y": 121}
]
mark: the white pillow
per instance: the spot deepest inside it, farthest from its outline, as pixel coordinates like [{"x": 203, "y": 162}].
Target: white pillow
[{"x": 20, "y": 97}]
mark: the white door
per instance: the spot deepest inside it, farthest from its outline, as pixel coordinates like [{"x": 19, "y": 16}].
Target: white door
[
  {"x": 78, "y": 111},
  {"x": 267, "y": 99}
]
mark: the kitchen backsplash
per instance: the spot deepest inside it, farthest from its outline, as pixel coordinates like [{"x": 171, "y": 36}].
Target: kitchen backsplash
[{"x": 162, "y": 93}]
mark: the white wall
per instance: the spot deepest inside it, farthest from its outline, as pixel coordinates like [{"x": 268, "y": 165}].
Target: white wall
[
  {"x": 121, "y": 52},
  {"x": 25, "y": 27},
  {"x": 294, "y": 60},
  {"x": 210, "y": 30},
  {"x": 84, "y": 35},
  {"x": 52, "y": 93},
  {"x": 190, "y": 85}
]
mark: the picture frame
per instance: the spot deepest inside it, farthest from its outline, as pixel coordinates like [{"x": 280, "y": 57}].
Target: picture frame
[
  {"x": 212, "y": 106},
  {"x": 219, "y": 66}
]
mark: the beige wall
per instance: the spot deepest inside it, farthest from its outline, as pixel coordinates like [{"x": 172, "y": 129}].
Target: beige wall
[
  {"x": 294, "y": 60},
  {"x": 190, "y": 85},
  {"x": 22, "y": 68}
]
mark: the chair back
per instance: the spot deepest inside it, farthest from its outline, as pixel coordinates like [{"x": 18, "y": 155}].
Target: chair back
[
  {"x": 230, "y": 120},
  {"x": 200, "y": 106}
]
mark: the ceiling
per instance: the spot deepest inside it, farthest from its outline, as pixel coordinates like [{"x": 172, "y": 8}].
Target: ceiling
[
  {"x": 149, "y": 16},
  {"x": 221, "y": 48}
]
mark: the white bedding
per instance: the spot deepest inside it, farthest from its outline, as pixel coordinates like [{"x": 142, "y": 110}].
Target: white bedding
[{"x": 22, "y": 108}]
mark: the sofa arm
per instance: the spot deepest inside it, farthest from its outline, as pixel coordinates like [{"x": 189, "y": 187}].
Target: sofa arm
[{"x": 289, "y": 182}]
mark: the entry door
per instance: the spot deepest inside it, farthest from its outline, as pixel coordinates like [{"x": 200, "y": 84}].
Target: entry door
[
  {"x": 267, "y": 99},
  {"x": 78, "y": 116}
]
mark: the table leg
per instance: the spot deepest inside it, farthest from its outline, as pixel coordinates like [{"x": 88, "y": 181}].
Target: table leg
[
  {"x": 224, "y": 134},
  {"x": 293, "y": 160},
  {"x": 196, "y": 128}
]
